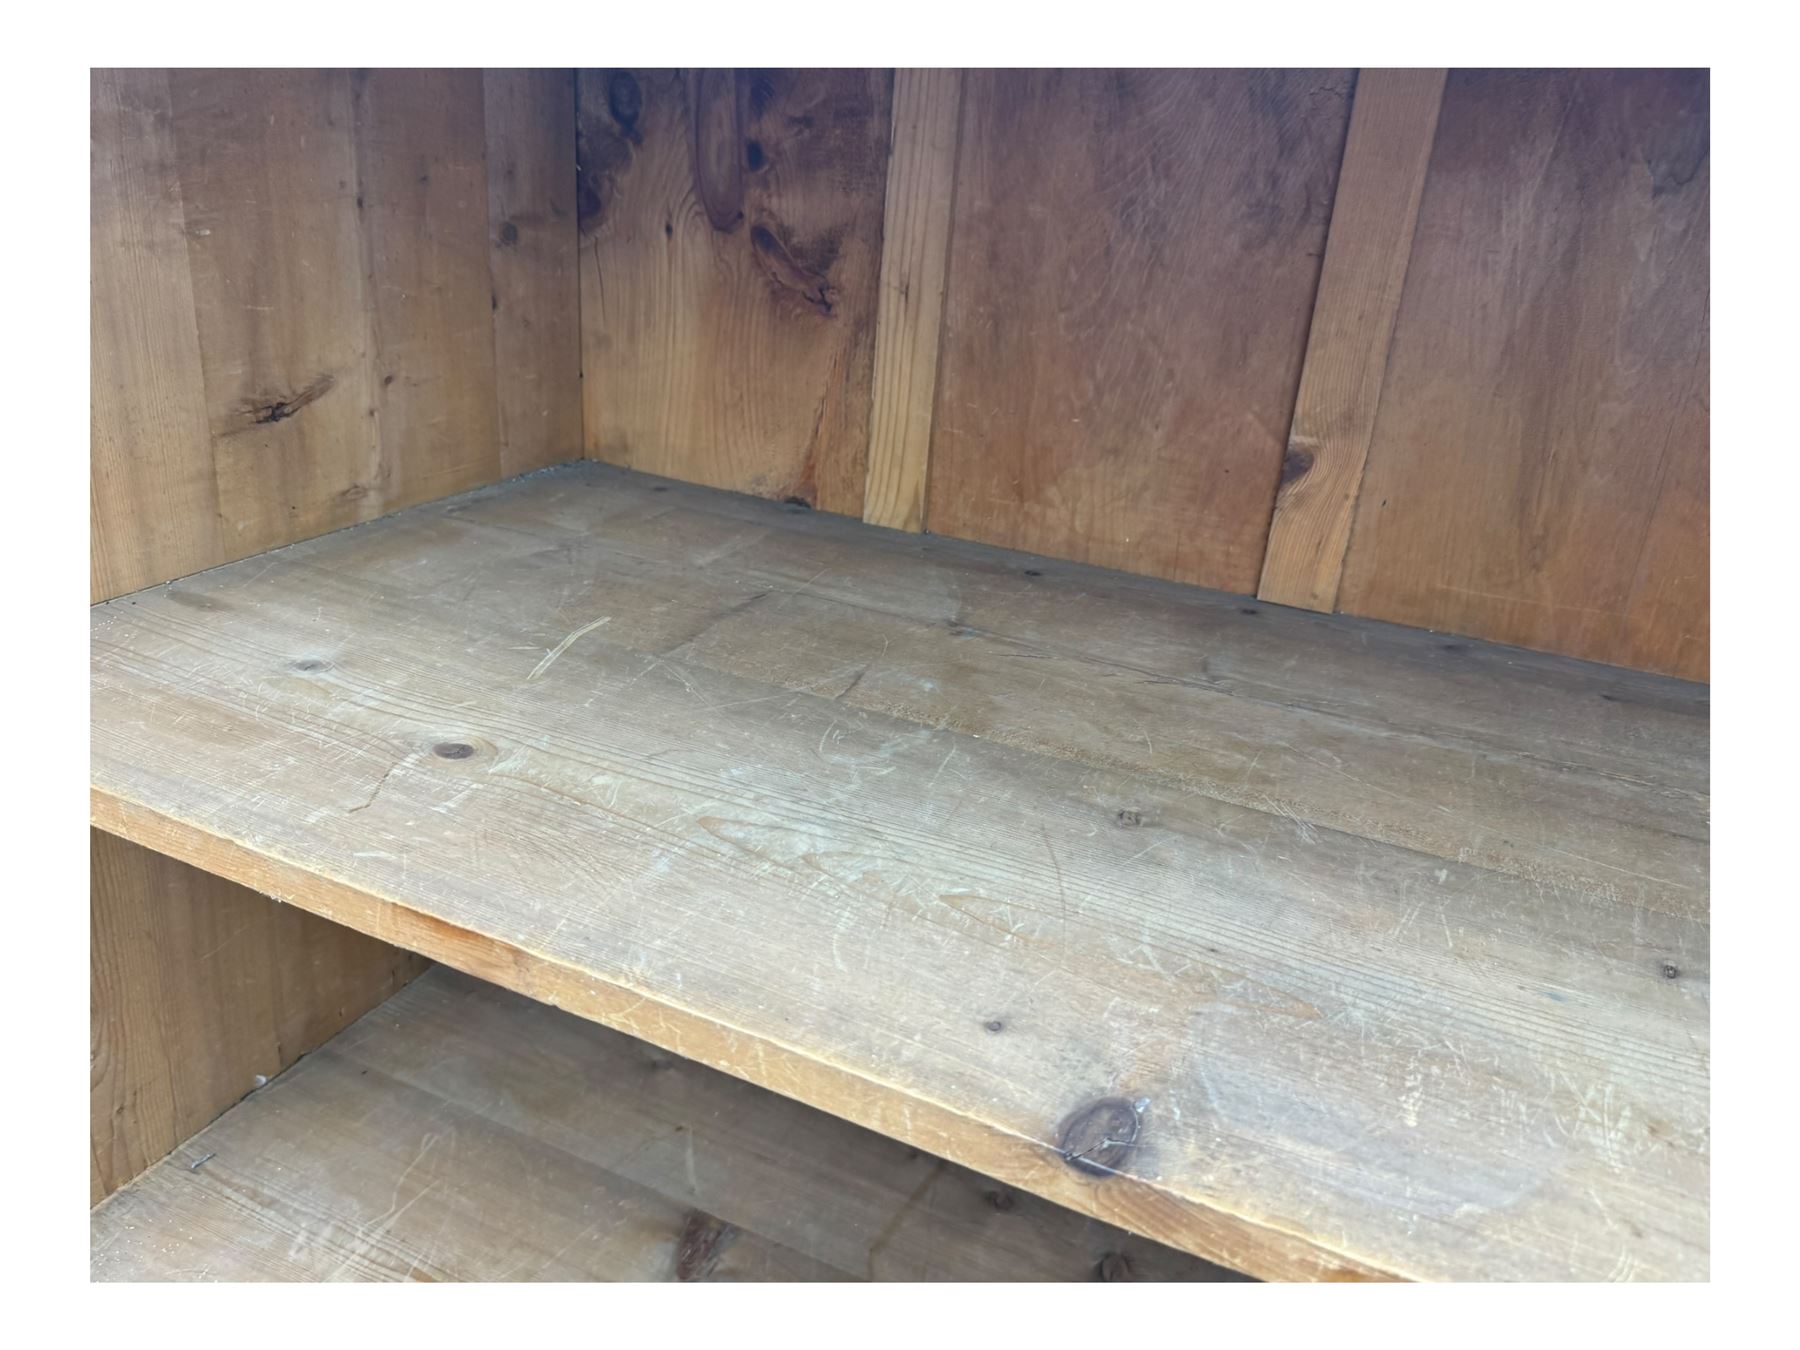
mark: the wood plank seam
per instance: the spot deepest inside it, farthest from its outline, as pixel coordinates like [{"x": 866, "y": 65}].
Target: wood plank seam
[
  {"x": 1393, "y": 122},
  {"x": 915, "y": 260}
]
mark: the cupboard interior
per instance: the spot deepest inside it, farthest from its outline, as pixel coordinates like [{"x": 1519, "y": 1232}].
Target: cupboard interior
[{"x": 1415, "y": 347}]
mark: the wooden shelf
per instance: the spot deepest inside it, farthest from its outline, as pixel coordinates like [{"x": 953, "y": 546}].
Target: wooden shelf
[
  {"x": 1386, "y": 952},
  {"x": 461, "y": 1132}
]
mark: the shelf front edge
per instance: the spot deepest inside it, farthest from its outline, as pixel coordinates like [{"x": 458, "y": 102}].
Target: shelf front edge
[{"x": 1233, "y": 1240}]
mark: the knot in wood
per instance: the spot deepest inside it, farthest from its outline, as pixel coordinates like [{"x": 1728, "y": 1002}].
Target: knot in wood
[{"x": 1098, "y": 1136}]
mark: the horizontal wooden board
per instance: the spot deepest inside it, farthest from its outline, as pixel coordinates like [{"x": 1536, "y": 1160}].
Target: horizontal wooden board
[
  {"x": 462, "y": 1132},
  {"x": 1308, "y": 945},
  {"x": 1539, "y": 464},
  {"x": 200, "y": 992}
]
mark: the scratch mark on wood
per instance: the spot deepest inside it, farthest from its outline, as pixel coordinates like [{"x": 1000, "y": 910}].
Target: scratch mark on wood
[{"x": 563, "y": 646}]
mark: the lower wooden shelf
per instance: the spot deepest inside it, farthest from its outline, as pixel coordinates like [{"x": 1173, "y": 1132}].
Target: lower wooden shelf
[
  {"x": 462, "y": 1132},
  {"x": 1312, "y": 946}
]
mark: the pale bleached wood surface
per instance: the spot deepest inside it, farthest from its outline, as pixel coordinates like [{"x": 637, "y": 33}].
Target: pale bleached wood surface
[
  {"x": 461, "y": 1132},
  {"x": 1398, "y": 944}
]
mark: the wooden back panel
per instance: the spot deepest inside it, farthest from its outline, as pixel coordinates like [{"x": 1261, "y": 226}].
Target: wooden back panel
[
  {"x": 1538, "y": 470},
  {"x": 1089, "y": 320},
  {"x": 731, "y": 237},
  {"x": 318, "y": 296},
  {"x": 1132, "y": 263}
]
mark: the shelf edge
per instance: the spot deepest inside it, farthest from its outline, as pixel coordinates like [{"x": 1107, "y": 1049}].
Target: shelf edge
[{"x": 1254, "y": 1246}]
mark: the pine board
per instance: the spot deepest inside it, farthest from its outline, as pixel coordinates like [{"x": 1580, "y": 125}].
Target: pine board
[
  {"x": 462, "y": 1132},
  {"x": 1390, "y": 951}
]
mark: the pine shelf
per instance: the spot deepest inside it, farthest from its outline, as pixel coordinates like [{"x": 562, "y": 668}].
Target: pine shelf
[{"x": 1307, "y": 945}]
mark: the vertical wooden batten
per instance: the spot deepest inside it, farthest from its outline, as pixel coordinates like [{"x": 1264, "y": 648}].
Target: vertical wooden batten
[
  {"x": 915, "y": 260},
  {"x": 1393, "y": 122}
]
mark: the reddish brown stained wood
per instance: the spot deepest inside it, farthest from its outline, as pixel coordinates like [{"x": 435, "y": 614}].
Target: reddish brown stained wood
[
  {"x": 282, "y": 300},
  {"x": 1132, "y": 265},
  {"x": 1538, "y": 468}
]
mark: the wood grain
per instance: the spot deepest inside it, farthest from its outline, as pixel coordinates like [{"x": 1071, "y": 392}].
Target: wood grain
[
  {"x": 661, "y": 791},
  {"x": 533, "y": 242},
  {"x": 1132, "y": 267},
  {"x": 1392, "y": 124},
  {"x": 1538, "y": 468},
  {"x": 283, "y": 302},
  {"x": 296, "y": 323},
  {"x": 915, "y": 242},
  {"x": 200, "y": 991},
  {"x": 520, "y": 1143},
  {"x": 154, "y": 501},
  {"x": 290, "y": 309},
  {"x": 422, "y": 188},
  {"x": 731, "y": 233}
]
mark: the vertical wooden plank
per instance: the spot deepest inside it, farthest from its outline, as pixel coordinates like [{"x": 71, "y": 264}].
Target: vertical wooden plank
[
  {"x": 420, "y": 143},
  {"x": 915, "y": 258},
  {"x": 300, "y": 316},
  {"x": 731, "y": 232},
  {"x": 1132, "y": 264},
  {"x": 1392, "y": 123},
  {"x": 532, "y": 257},
  {"x": 154, "y": 507},
  {"x": 1538, "y": 468},
  {"x": 275, "y": 241},
  {"x": 200, "y": 991}
]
